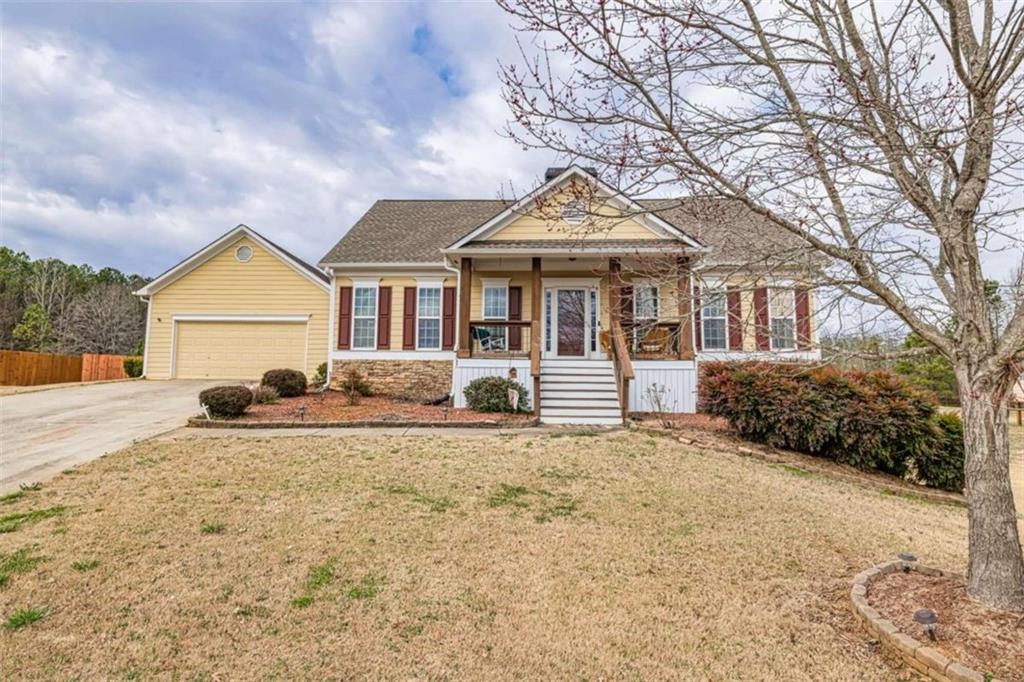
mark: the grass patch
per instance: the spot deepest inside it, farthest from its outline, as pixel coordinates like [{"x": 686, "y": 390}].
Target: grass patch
[
  {"x": 212, "y": 528},
  {"x": 21, "y": 561},
  {"x": 84, "y": 566},
  {"x": 795, "y": 470},
  {"x": 436, "y": 504},
  {"x": 12, "y": 522},
  {"x": 562, "y": 508},
  {"x": 23, "y": 617},
  {"x": 367, "y": 588},
  {"x": 508, "y": 496},
  {"x": 319, "y": 576},
  {"x": 11, "y": 498},
  {"x": 576, "y": 433}
]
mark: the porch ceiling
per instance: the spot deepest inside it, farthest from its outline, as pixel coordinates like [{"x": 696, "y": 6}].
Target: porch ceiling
[{"x": 533, "y": 247}]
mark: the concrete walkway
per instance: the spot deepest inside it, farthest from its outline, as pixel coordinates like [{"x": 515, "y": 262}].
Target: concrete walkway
[{"x": 45, "y": 432}]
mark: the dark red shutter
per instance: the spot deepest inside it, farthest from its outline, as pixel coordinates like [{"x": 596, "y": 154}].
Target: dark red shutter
[
  {"x": 384, "y": 319},
  {"x": 803, "y": 319},
  {"x": 344, "y": 318},
  {"x": 515, "y": 312},
  {"x": 698, "y": 332},
  {"x": 409, "y": 319},
  {"x": 448, "y": 318},
  {"x": 761, "y": 324},
  {"x": 735, "y": 318}
]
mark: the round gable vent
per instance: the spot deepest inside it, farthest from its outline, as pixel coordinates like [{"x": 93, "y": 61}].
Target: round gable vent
[{"x": 243, "y": 254}]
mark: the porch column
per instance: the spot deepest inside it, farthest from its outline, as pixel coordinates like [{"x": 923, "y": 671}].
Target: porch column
[
  {"x": 684, "y": 295},
  {"x": 615, "y": 292},
  {"x": 465, "y": 293},
  {"x": 536, "y": 304}
]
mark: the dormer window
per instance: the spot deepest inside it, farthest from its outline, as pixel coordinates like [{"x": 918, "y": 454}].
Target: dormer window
[{"x": 573, "y": 212}]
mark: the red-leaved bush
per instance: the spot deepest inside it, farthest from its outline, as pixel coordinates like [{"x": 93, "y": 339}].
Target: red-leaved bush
[{"x": 870, "y": 420}]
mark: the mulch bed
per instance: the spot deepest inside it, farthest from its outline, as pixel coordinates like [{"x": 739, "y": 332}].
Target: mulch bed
[
  {"x": 334, "y": 407},
  {"x": 988, "y": 640},
  {"x": 698, "y": 421}
]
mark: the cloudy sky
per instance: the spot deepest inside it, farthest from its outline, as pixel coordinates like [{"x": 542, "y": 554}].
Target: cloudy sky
[{"x": 133, "y": 134}]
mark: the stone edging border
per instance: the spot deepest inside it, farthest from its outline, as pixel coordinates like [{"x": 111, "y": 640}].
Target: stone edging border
[
  {"x": 925, "y": 659},
  {"x": 772, "y": 456},
  {"x": 204, "y": 423}
]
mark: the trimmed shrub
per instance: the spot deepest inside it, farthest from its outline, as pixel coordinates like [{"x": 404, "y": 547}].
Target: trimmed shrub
[
  {"x": 226, "y": 401},
  {"x": 321, "y": 374},
  {"x": 133, "y": 367},
  {"x": 490, "y": 394},
  {"x": 354, "y": 385},
  {"x": 870, "y": 420},
  {"x": 353, "y": 382},
  {"x": 287, "y": 382},
  {"x": 942, "y": 465},
  {"x": 264, "y": 395}
]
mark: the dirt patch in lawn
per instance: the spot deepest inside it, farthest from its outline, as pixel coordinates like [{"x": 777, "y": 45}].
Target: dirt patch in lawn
[
  {"x": 531, "y": 556},
  {"x": 987, "y": 640},
  {"x": 334, "y": 407}
]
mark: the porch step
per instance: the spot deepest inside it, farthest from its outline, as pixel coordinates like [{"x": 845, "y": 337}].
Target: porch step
[
  {"x": 607, "y": 421},
  {"x": 579, "y": 401},
  {"x": 575, "y": 379},
  {"x": 559, "y": 370},
  {"x": 574, "y": 362},
  {"x": 580, "y": 412},
  {"x": 573, "y": 392},
  {"x": 578, "y": 391}
]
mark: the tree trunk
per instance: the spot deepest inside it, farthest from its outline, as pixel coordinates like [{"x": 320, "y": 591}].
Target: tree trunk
[{"x": 995, "y": 573}]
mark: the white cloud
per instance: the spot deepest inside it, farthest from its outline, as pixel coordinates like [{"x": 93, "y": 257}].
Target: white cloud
[{"x": 106, "y": 166}]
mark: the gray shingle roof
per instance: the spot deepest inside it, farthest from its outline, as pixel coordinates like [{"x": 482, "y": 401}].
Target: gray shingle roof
[
  {"x": 410, "y": 231},
  {"x": 414, "y": 231}
]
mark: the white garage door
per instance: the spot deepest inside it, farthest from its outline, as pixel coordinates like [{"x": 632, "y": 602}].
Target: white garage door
[{"x": 238, "y": 350}]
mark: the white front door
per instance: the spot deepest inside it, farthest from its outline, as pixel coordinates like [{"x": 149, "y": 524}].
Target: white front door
[{"x": 571, "y": 322}]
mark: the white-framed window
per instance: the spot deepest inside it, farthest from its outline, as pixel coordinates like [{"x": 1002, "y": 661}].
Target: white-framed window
[
  {"x": 364, "y": 317},
  {"x": 645, "y": 303},
  {"x": 495, "y": 307},
  {"x": 495, "y": 302},
  {"x": 714, "y": 323},
  {"x": 782, "y": 310},
  {"x": 428, "y": 317}
]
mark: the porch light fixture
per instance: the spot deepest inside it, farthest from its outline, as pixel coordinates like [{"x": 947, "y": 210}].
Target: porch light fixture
[{"x": 929, "y": 619}]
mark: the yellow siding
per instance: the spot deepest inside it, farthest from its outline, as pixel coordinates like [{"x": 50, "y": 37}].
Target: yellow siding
[
  {"x": 263, "y": 286},
  {"x": 397, "y": 285},
  {"x": 546, "y": 223}
]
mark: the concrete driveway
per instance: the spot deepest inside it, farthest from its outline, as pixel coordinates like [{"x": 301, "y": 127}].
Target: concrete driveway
[{"x": 45, "y": 432}]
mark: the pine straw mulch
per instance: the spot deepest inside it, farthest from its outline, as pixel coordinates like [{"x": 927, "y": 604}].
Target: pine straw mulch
[
  {"x": 333, "y": 406},
  {"x": 987, "y": 640},
  {"x": 559, "y": 555}
]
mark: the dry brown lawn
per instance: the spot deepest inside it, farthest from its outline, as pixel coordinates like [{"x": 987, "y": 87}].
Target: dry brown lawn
[{"x": 616, "y": 556}]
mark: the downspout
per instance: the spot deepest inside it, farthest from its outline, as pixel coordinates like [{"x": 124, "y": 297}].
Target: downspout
[
  {"x": 331, "y": 321},
  {"x": 448, "y": 265}
]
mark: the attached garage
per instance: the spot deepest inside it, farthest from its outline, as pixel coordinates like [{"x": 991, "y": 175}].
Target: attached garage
[
  {"x": 235, "y": 309},
  {"x": 238, "y": 348}
]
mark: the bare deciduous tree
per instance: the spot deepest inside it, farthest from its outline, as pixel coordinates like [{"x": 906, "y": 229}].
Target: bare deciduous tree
[
  {"x": 885, "y": 136},
  {"x": 106, "y": 319}
]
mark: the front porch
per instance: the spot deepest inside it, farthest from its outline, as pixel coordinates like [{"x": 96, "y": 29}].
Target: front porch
[{"x": 594, "y": 337}]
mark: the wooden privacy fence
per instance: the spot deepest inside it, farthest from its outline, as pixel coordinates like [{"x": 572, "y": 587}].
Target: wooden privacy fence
[
  {"x": 24, "y": 368},
  {"x": 103, "y": 367}
]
